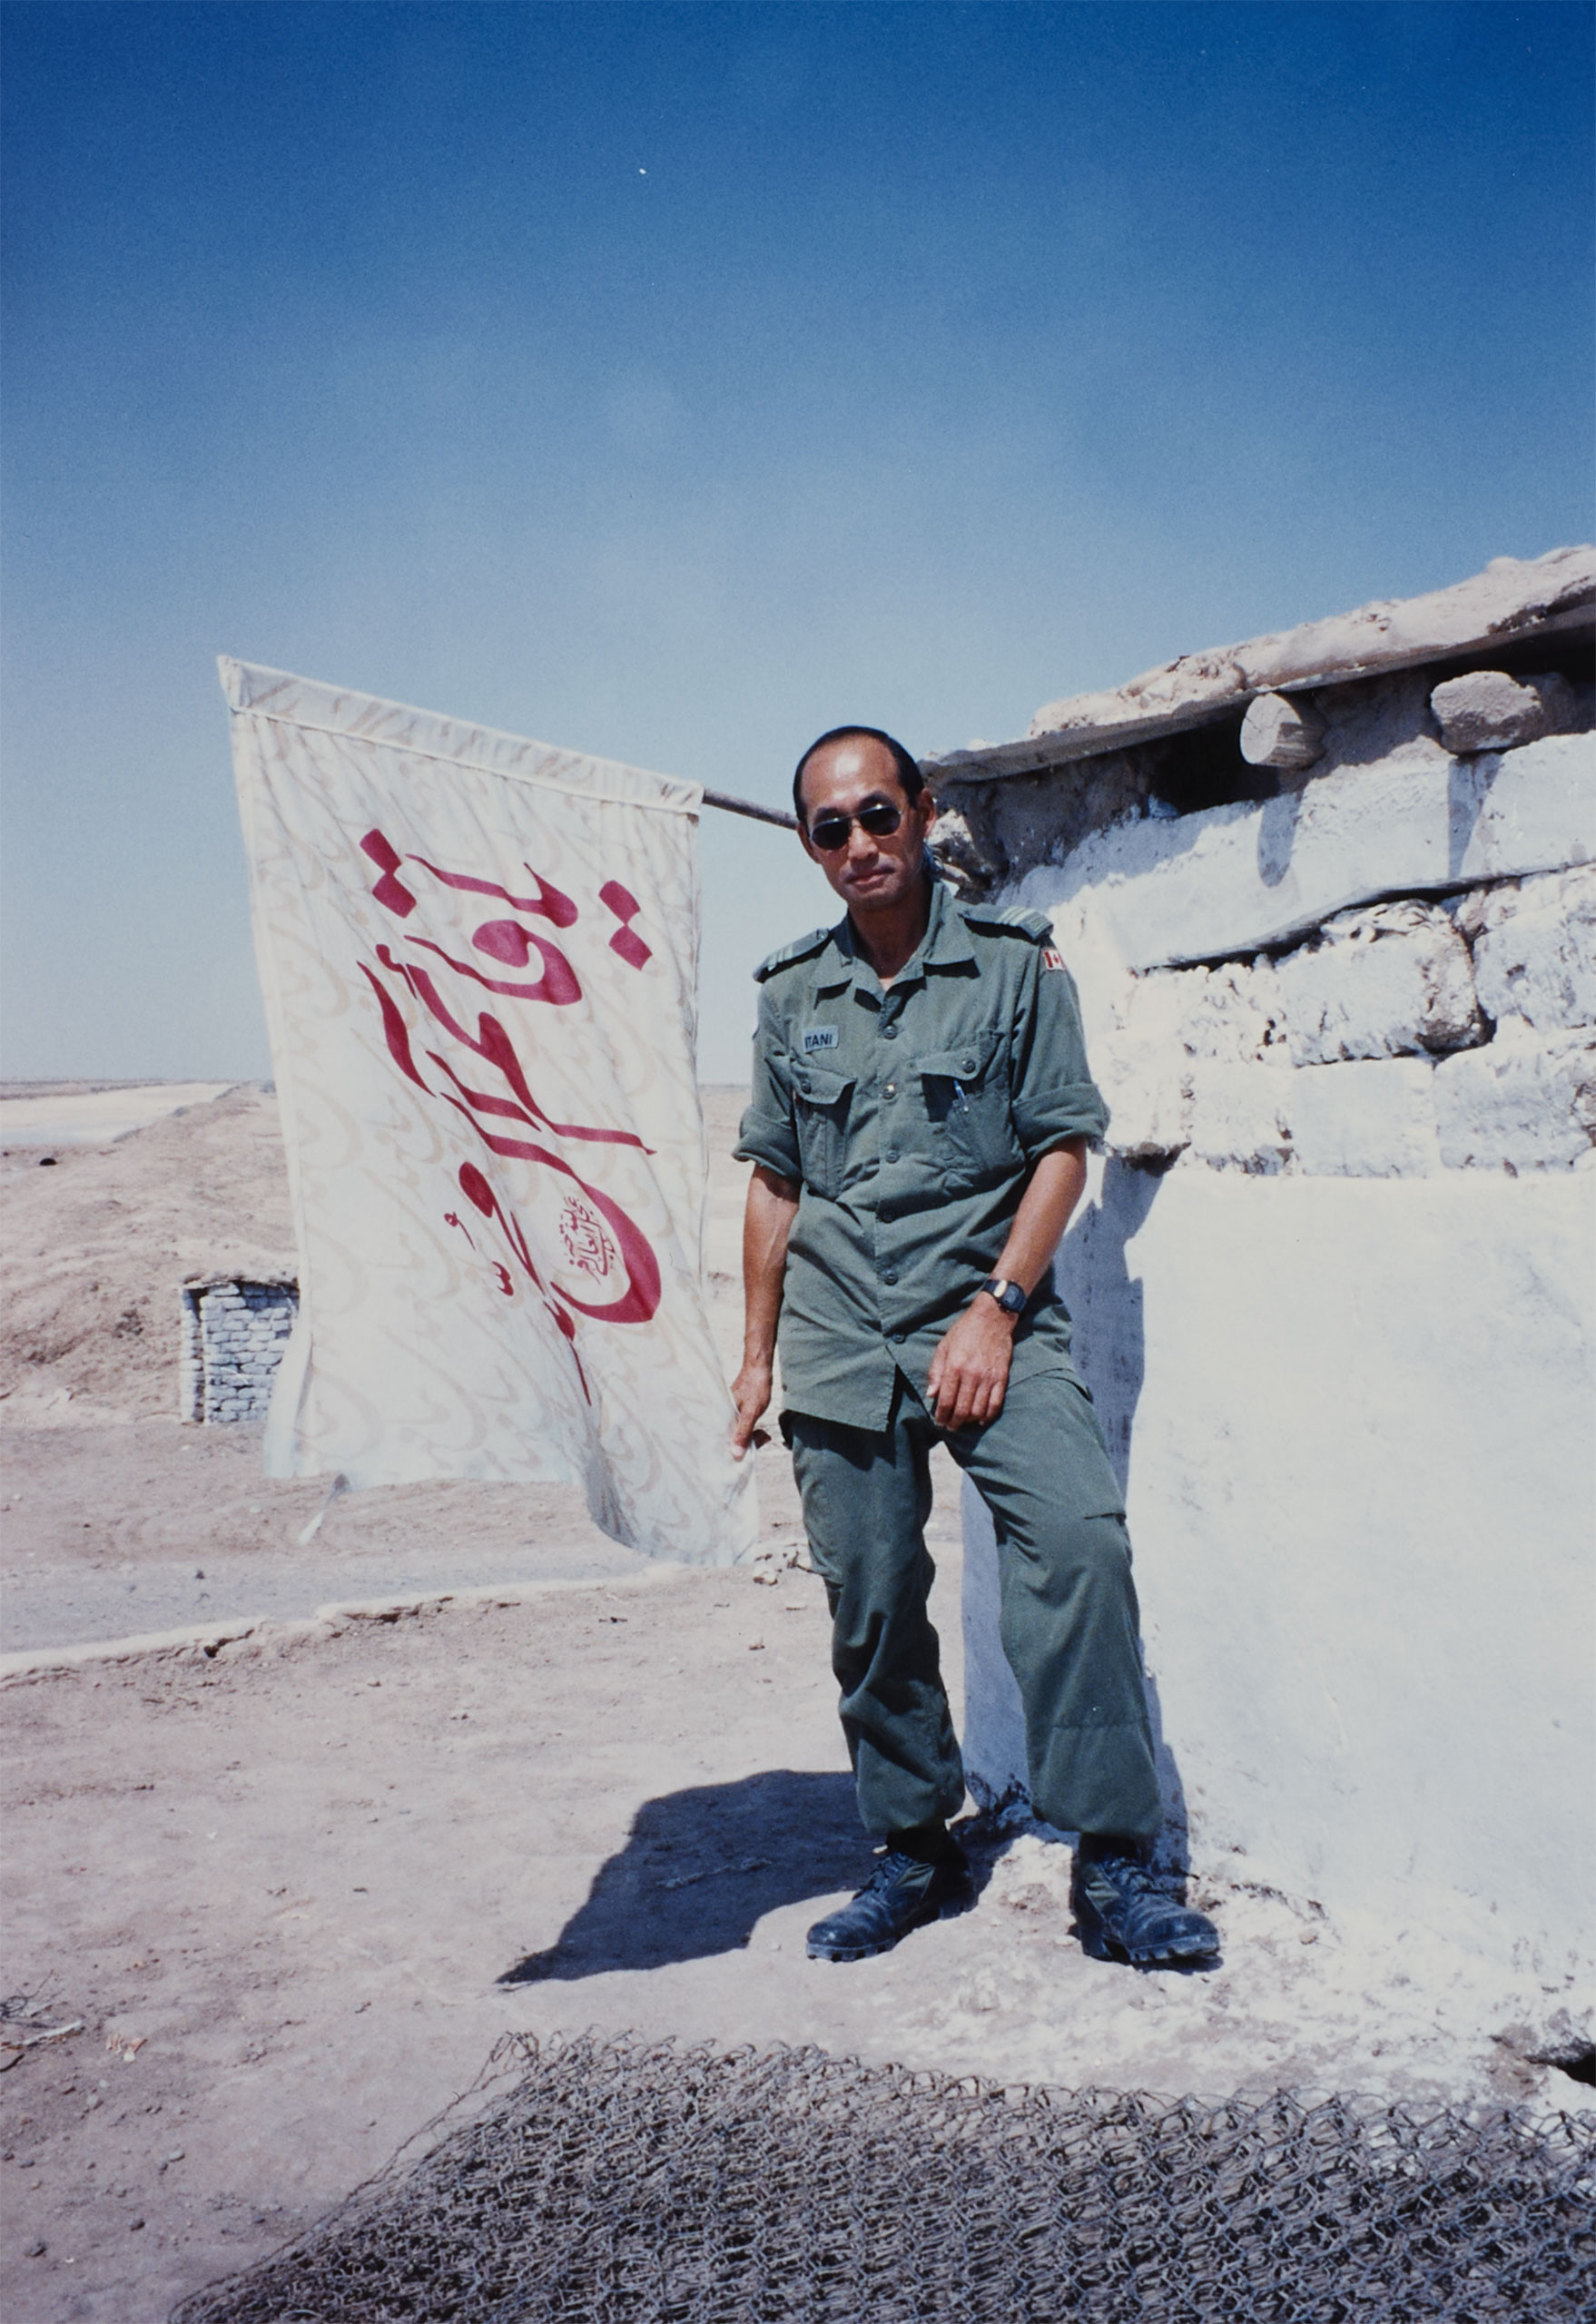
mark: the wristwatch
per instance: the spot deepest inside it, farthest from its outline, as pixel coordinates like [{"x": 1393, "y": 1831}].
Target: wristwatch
[{"x": 1011, "y": 1296}]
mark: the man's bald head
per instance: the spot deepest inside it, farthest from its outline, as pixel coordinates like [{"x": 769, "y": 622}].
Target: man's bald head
[{"x": 910, "y": 778}]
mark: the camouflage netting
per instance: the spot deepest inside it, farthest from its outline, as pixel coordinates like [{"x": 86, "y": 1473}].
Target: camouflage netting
[{"x": 620, "y": 2183}]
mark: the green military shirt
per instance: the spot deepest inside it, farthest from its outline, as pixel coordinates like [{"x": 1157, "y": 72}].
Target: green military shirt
[{"x": 912, "y": 1119}]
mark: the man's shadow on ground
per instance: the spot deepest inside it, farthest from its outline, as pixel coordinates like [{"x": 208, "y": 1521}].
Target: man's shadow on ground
[{"x": 702, "y": 1867}]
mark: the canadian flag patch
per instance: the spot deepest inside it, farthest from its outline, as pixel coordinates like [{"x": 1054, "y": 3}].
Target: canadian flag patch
[{"x": 1051, "y": 960}]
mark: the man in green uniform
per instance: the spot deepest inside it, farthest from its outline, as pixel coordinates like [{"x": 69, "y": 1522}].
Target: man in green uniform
[{"x": 920, "y": 1112}]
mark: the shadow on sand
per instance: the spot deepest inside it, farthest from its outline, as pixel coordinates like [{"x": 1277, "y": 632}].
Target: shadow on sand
[{"x": 702, "y": 1867}]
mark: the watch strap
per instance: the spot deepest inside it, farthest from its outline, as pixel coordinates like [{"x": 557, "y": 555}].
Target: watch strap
[{"x": 1008, "y": 1295}]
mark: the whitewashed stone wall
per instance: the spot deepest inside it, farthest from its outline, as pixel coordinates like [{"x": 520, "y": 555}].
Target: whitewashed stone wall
[
  {"x": 1260, "y": 994},
  {"x": 234, "y": 1333},
  {"x": 1335, "y": 1289},
  {"x": 1394, "y": 1040}
]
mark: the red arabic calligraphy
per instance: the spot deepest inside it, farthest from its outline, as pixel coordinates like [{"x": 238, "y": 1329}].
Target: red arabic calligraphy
[
  {"x": 549, "y": 903},
  {"x": 598, "y": 1239},
  {"x": 625, "y": 940}
]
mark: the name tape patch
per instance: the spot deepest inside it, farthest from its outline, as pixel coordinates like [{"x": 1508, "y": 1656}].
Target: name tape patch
[{"x": 819, "y": 1037}]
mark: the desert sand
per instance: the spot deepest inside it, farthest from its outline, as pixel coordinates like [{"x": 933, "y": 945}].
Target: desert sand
[{"x": 291, "y": 1875}]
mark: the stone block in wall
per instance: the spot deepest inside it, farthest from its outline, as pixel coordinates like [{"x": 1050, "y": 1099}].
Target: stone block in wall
[
  {"x": 1487, "y": 710},
  {"x": 1535, "y": 950},
  {"x": 1240, "y": 1116},
  {"x": 1237, "y": 878},
  {"x": 1389, "y": 981},
  {"x": 1138, "y": 1063},
  {"x": 1233, "y": 1014},
  {"x": 1374, "y": 1120},
  {"x": 1519, "y": 1104},
  {"x": 1158, "y": 1026},
  {"x": 1149, "y": 1109}
]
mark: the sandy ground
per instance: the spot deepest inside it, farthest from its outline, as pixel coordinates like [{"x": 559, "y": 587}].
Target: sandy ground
[
  {"x": 130, "y": 1522},
  {"x": 292, "y": 1881},
  {"x": 116, "y": 1519},
  {"x": 99, "y": 1242}
]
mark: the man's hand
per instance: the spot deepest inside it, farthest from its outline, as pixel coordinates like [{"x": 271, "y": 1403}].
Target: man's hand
[
  {"x": 969, "y": 1375},
  {"x": 750, "y": 1392}
]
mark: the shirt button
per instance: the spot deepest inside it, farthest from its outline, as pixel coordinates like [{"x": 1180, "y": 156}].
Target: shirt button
[
  {"x": 897, "y": 1339},
  {"x": 889, "y": 1033},
  {"x": 888, "y": 1275},
  {"x": 967, "y": 1065},
  {"x": 891, "y": 1089},
  {"x": 892, "y": 1154}
]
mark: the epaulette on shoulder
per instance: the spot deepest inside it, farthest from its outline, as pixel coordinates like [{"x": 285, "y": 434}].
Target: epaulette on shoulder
[
  {"x": 1013, "y": 919},
  {"x": 804, "y": 949}
]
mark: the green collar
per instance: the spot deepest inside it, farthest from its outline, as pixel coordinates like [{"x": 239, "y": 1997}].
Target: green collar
[{"x": 945, "y": 945}]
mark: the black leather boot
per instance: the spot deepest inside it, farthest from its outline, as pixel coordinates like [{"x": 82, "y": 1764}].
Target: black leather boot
[
  {"x": 903, "y": 1893},
  {"x": 1123, "y": 1914}
]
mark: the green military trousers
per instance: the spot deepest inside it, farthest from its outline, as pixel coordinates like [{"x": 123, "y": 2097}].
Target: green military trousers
[{"x": 1069, "y": 1619}]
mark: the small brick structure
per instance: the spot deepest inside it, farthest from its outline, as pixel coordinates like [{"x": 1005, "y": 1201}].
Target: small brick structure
[{"x": 234, "y": 1332}]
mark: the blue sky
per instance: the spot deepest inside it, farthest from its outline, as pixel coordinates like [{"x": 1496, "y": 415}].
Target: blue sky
[{"x": 672, "y": 382}]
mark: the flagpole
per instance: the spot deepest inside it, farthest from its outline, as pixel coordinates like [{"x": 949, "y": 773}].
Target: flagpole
[{"x": 732, "y": 806}]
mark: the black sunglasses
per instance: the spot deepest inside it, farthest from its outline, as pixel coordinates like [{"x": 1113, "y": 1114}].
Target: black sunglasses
[{"x": 829, "y": 832}]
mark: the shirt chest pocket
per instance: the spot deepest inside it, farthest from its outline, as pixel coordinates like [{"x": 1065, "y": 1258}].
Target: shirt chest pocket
[
  {"x": 965, "y": 1096},
  {"x": 821, "y": 1099}
]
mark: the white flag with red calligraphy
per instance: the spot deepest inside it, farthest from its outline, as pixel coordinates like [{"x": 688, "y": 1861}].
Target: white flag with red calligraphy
[{"x": 478, "y": 956}]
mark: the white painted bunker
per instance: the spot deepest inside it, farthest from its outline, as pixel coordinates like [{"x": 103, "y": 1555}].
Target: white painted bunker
[{"x": 1330, "y": 901}]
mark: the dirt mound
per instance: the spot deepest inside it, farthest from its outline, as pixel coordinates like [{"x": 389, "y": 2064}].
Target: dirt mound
[{"x": 97, "y": 1244}]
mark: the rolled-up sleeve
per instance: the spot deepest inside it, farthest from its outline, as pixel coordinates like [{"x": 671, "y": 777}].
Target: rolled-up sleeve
[
  {"x": 768, "y": 1133},
  {"x": 1054, "y": 1096}
]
